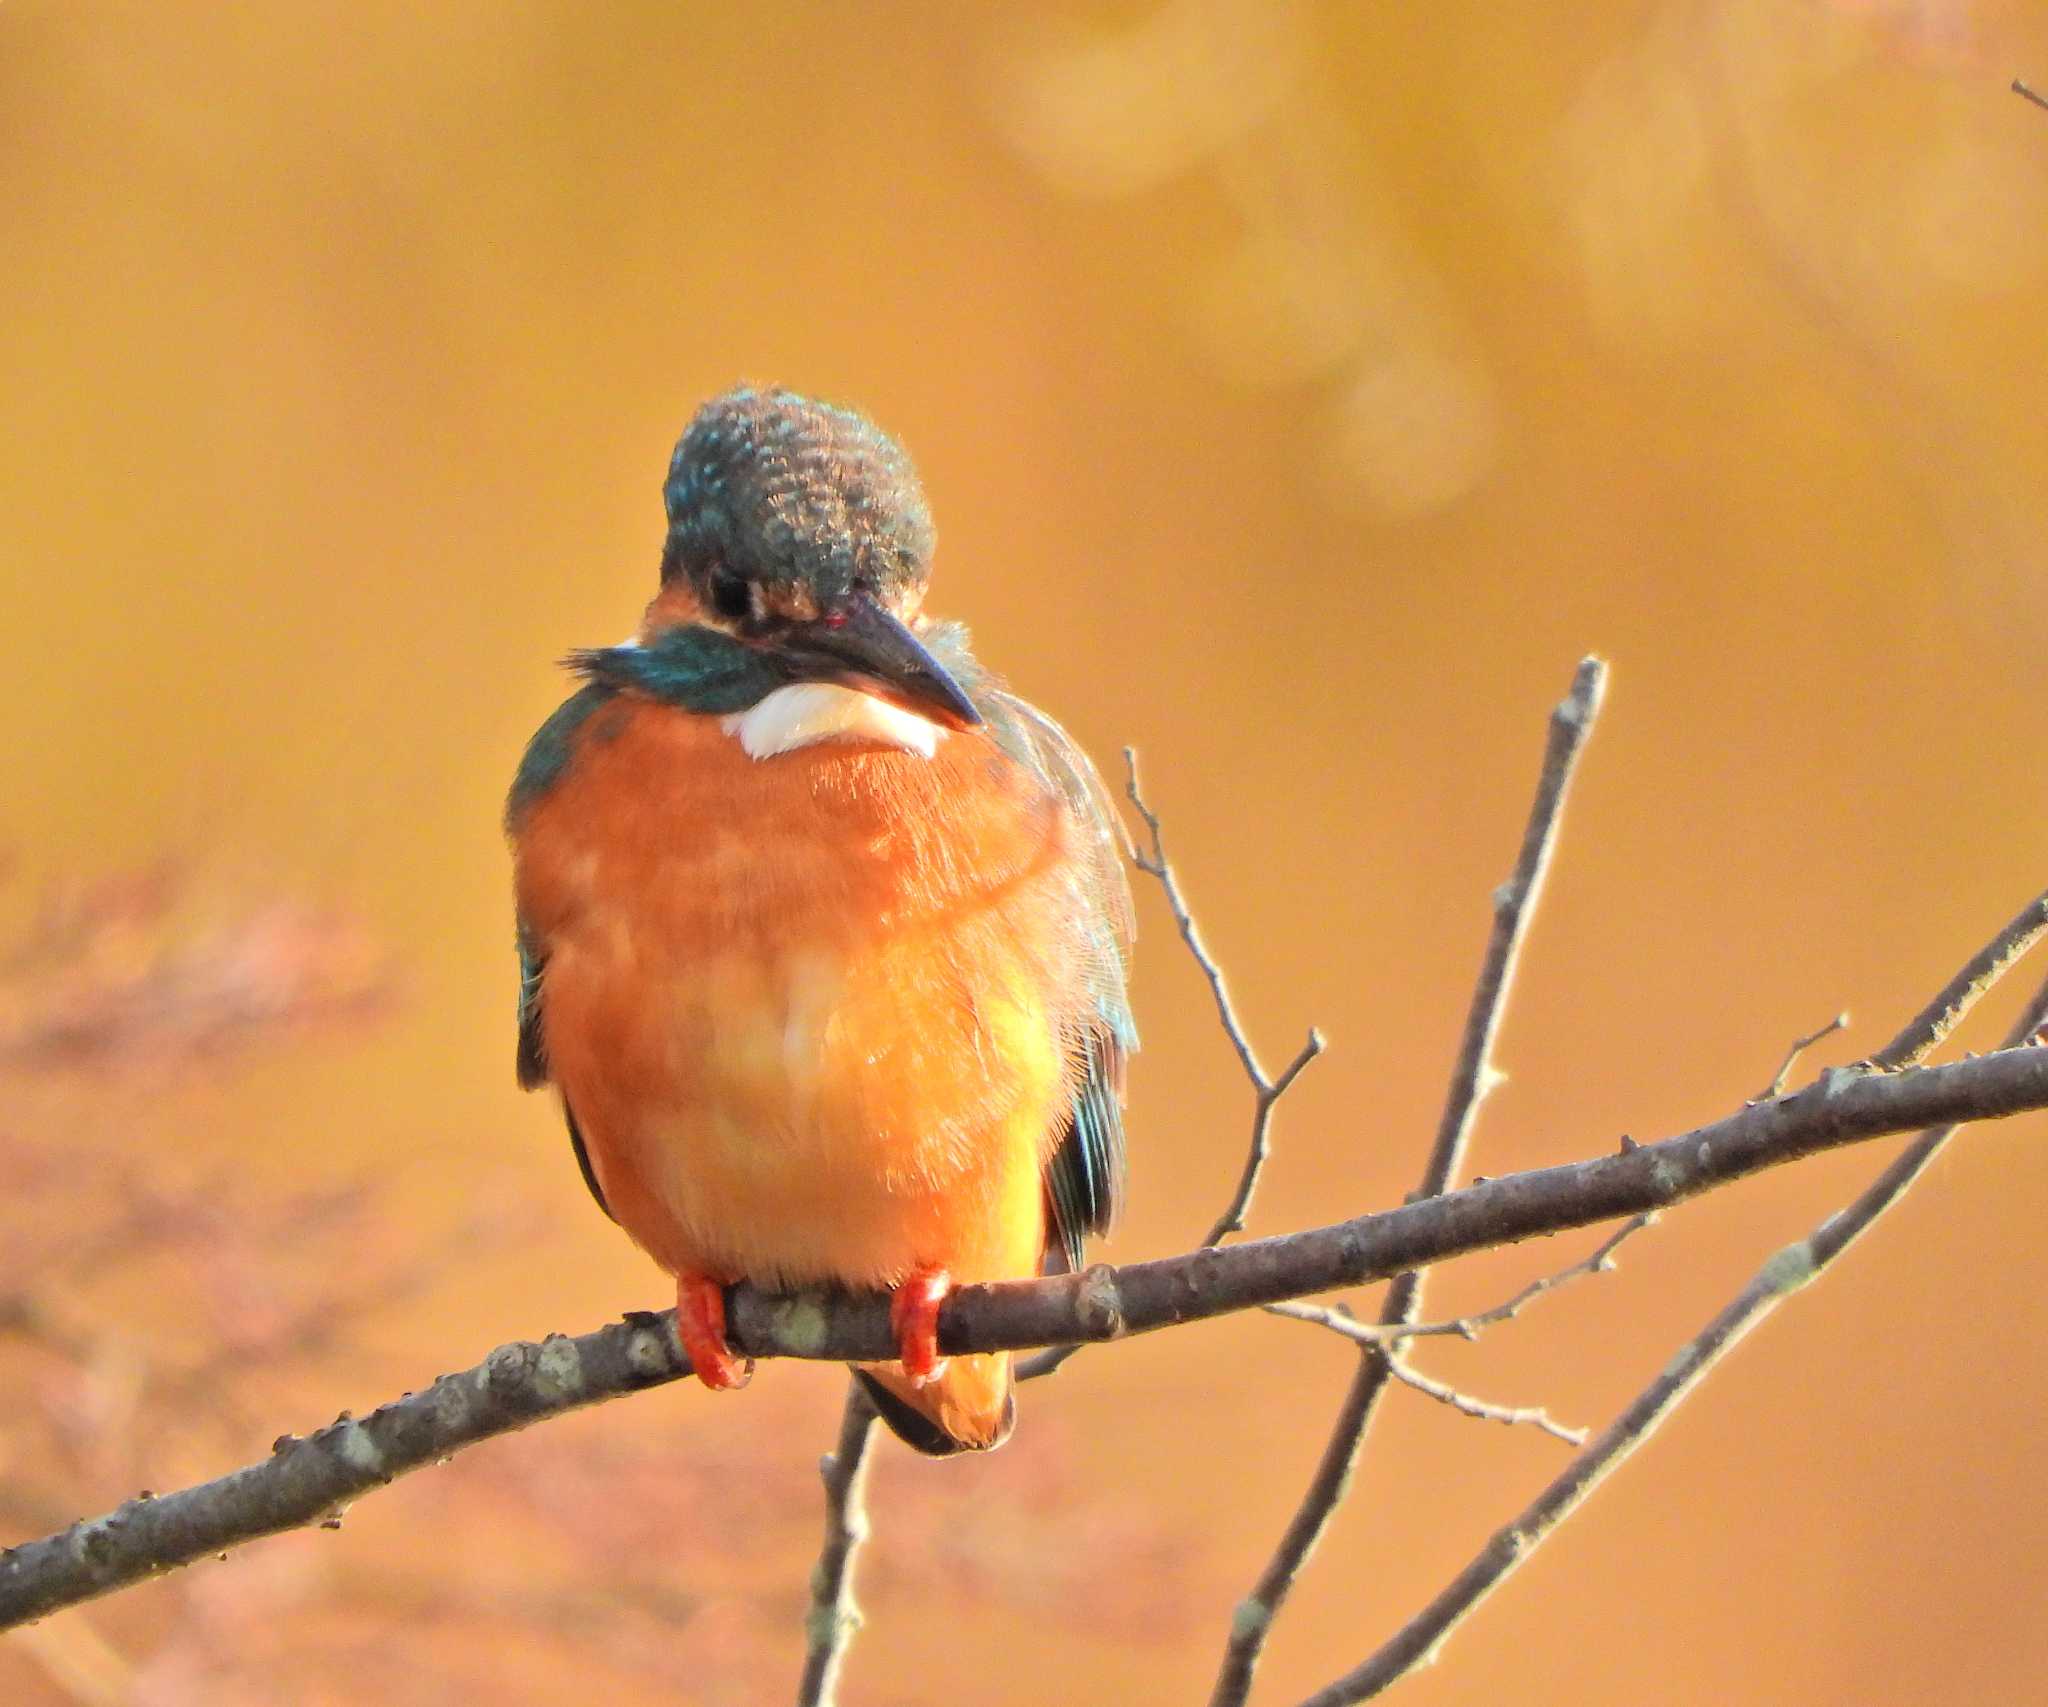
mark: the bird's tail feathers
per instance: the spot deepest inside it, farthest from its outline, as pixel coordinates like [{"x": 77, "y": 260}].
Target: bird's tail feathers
[{"x": 969, "y": 1406}]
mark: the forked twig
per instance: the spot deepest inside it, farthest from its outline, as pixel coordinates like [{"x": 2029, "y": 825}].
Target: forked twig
[
  {"x": 1341, "y": 1321},
  {"x": 1267, "y": 1095},
  {"x": 1599, "y": 1260},
  {"x": 834, "y": 1617},
  {"x": 1416, "y": 1643},
  {"x": 1474, "y": 1075},
  {"x": 1266, "y": 1090}
]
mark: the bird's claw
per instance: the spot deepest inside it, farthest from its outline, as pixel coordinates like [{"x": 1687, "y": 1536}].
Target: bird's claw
[
  {"x": 914, "y": 1319},
  {"x": 700, "y": 1325}
]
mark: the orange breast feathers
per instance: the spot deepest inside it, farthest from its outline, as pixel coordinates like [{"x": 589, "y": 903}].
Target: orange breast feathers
[{"x": 816, "y": 1013}]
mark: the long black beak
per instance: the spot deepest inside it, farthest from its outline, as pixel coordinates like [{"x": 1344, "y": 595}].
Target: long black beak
[{"x": 861, "y": 645}]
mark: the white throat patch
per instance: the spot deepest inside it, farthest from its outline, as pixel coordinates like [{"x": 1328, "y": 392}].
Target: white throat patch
[{"x": 804, "y": 712}]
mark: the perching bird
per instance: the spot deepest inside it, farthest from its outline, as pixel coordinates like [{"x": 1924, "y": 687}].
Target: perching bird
[{"x": 823, "y": 935}]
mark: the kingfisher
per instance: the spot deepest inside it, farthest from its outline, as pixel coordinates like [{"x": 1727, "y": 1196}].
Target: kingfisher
[{"x": 824, "y": 935}]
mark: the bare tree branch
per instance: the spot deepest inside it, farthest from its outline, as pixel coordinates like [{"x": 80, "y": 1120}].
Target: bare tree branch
[
  {"x": 1482, "y": 1410},
  {"x": 2034, "y": 95},
  {"x": 1341, "y": 1321},
  {"x": 1266, "y": 1091},
  {"x": 1599, "y": 1261},
  {"x": 1267, "y": 1094},
  {"x": 1417, "y": 1642},
  {"x": 1153, "y": 862},
  {"x": 1927, "y": 1030},
  {"x": 307, "y": 1480},
  {"x": 1514, "y": 904},
  {"x": 1473, "y": 1077},
  {"x": 834, "y": 1617}
]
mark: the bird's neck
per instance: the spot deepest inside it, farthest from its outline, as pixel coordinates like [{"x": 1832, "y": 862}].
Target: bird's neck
[
  {"x": 703, "y": 670},
  {"x": 695, "y": 668}
]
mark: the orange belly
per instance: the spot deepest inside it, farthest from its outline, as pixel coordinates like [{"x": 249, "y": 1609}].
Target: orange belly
[{"x": 811, "y": 1012}]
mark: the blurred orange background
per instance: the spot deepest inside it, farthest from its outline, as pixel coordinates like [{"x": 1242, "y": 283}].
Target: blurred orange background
[{"x": 1300, "y": 391}]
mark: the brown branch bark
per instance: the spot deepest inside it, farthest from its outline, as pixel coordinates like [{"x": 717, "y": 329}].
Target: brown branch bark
[
  {"x": 833, "y": 1616},
  {"x": 307, "y": 1480}
]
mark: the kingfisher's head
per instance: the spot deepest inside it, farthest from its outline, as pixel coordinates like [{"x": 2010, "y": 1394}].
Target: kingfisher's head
[{"x": 801, "y": 531}]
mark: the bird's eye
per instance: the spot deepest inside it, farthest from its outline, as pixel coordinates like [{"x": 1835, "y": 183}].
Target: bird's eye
[{"x": 730, "y": 595}]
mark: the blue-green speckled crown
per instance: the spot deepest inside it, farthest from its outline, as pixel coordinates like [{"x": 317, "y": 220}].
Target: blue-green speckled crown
[{"x": 775, "y": 486}]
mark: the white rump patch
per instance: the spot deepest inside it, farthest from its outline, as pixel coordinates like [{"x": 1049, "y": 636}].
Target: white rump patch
[{"x": 804, "y": 712}]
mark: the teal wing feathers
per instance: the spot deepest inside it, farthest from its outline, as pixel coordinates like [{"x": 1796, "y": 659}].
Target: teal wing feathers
[
  {"x": 533, "y": 1053},
  {"x": 1085, "y": 1179},
  {"x": 547, "y": 756},
  {"x": 533, "y": 1050}
]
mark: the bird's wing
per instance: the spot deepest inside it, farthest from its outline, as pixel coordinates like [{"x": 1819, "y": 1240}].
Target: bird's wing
[
  {"x": 546, "y": 756},
  {"x": 533, "y": 1052},
  {"x": 1084, "y": 1181}
]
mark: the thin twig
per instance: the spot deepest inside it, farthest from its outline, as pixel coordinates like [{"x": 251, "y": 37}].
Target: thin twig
[
  {"x": 2034, "y": 95},
  {"x": 1266, "y": 1091},
  {"x": 1514, "y": 904},
  {"x": 1474, "y": 1075},
  {"x": 1155, "y": 864},
  {"x": 1927, "y": 1030},
  {"x": 1341, "y": 1321},
  {"x": 1466, "y": 1405},
  {"x": 1600, "y": 1260},
  {"x": 1800, "y": 1045},
  {"x": 833, "y": 1616},
  {"x": 306, "y": 1480},
  {"x": 1232, "y": 1219},
  {"x": 1416, "y": 1643}
]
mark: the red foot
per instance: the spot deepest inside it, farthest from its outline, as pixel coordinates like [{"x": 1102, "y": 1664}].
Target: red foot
[
  {"x": 914, "y": 1318},
  {"x": 700, "y": 1325}
]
